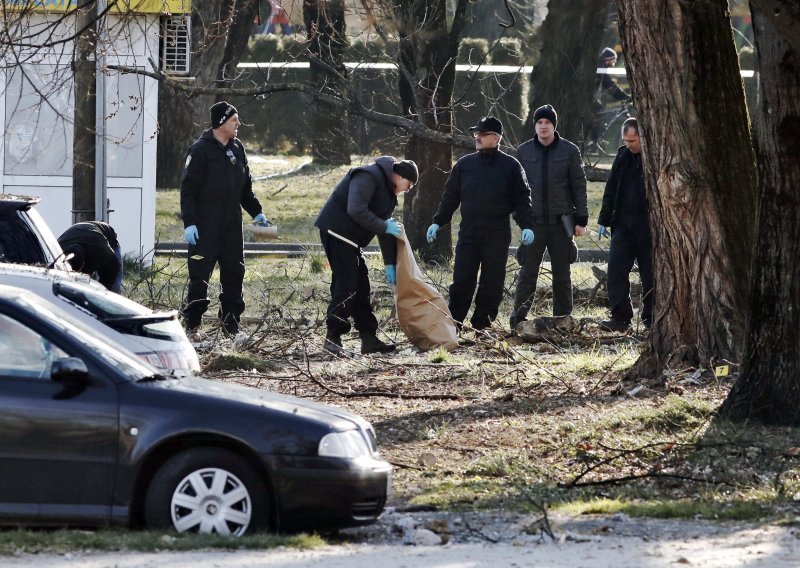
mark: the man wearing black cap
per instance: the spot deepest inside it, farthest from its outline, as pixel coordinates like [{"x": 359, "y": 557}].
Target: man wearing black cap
[
  {"x": 553, "y": 166},
  {"x": 488, "y": 185},
  {"x": 358, "y": 209},
  {"x": 606, "y": 90},
  {"x": 216, "y": 184}
]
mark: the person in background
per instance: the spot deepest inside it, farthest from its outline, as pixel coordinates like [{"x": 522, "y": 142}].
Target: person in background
[
  {"x": 215, "y": 186},
  {"x": 360, "y": 208},
  {"x": 553, "y": 166},
  {"x": 624, "y": 216},
  {"x": 95, "y": 249},
  {"x": 488, "y": 185},
  {"x": 606, "y": 91}
]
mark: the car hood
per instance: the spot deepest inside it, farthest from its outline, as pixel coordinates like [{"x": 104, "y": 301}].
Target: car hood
[{"x": 322, "y": 413}]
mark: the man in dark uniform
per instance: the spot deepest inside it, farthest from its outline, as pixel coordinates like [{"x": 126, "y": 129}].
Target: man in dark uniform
[
  {"x": 358, "y": 209},
  {"x": 553, "y": 166},
  {"x": 216, "y": 184},
  {"x": 95, "y": 249},
  {"x": 606, "y": 90},
  {"x": 488, "y": 185},
  {"x": 625, "y": 212}
]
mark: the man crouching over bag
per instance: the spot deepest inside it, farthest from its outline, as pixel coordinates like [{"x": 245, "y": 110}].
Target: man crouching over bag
[{"x": 358, "y": 209}]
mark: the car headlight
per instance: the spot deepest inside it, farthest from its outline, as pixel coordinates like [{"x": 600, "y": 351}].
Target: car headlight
[{"x": 350, "y": 444}]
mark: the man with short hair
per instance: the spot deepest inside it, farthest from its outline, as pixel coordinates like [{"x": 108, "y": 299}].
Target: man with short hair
[
  {"x": 215, "y": 186},
  {"x": 360, "y": 208},
  {"x": 553, "y": 166},
  {"x": 488, "y": 185},
  {"x": 624, "y": 215}
]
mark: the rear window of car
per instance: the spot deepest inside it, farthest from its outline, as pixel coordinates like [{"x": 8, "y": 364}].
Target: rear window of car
[
  {"x": 18, "y": 243},
  {"x": 101, "y": 304}
]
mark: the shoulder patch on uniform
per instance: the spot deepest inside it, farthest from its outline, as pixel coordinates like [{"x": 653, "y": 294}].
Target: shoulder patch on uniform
[{"x": 188, "y": 159}]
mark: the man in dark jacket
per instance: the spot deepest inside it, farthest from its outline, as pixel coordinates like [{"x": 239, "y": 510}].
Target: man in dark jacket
[
  {"x": 554, "y": 168},
  {"x": 488, "y": 185},
  {"x": 216, "y": 184},
  {"x": 95, "y": 249},
  {"x": 606, "y": 90},
  {"x": 358, "y": 209},
  {"x": 625, "y": 212}
]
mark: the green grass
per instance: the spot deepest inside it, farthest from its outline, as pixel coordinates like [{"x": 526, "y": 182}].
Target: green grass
[
  {"x": 63, "y": 540},
  {"x": 676, "y": 509}
]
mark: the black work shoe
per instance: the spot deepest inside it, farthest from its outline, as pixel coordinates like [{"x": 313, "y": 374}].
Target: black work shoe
[
  {"x": 333, "y": 345},
  {"x": 371, "y": 344},
  {"x": 614, "y": 325}
]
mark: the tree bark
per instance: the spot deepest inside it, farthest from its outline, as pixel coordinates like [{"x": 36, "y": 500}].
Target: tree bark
[
  {"x": 700, "y": 177},
  {"x": 768, "y": 388},
  {"x": 325, "y": 26},
  {"x": 784, "y": 15},
  {"x": 428, "y": 49},
  {"x": 84, "y": 141},
  {"x": 565, "y": 75},
  {"x": 219, "y": 36}
]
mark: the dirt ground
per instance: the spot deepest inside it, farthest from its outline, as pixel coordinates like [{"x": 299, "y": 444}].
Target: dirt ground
[{"x": 616, "y": 542}]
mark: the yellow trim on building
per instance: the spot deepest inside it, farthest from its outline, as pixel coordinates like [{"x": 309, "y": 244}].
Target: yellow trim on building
[{"x": 122, "y": 6}]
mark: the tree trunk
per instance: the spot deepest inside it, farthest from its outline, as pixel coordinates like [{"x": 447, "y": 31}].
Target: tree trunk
[
  {"x": 325, "y": 26},
  {"x": 428, "y": 48},
  {"x": 768, "y": 388},
  {"x": 84, "y": 141},
  {"x": 700, "y": 178},
  {"x": 220, "y": 29},
  {"x": 565, "y": 75}
]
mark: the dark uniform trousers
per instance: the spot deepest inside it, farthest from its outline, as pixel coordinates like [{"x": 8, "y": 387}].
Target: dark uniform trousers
[
  {"x": 350, "y": 290},
  {"x": 630, "y": 242},
  {"x": 229, "y": 253},
  {"x": 554, "y": 239},
  {"x": 487, "y": 255}
]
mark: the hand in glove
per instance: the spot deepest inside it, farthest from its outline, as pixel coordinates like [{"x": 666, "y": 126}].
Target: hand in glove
[
  {"x": 431, "y": 234},
  {"x": 391, "y": 274},
  {"x": 260, "y": 219},
  {"x": 392, "y": 228},
  {"x": 603, "y": 230},
  {"x": 190, "y": 234},
  {"x": 527, "y": 236}
]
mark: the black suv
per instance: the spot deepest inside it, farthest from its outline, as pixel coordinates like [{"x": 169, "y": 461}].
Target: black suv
[{"x": 25, "y": 238}]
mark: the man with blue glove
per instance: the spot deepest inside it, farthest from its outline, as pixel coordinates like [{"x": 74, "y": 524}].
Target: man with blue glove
[
  {"x": 359, "y": 209},
  {"x": 488, "y": 185},
  {"x": 560, "y": 211},
  {"x": 625, "y": 210},
  {"x": 215, "y": 186}
]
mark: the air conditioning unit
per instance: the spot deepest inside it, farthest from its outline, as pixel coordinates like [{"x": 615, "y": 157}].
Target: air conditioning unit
[{"x": 175, "y": 43}]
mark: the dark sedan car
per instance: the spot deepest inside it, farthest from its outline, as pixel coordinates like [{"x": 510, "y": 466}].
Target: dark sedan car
[{"x": 91, "y": 435}]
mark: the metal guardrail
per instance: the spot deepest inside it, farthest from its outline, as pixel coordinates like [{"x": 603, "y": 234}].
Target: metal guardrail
[{"x": 299, "y": 250}]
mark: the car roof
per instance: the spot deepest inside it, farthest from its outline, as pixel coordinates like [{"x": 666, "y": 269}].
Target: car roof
[{"x": 11, "y": 202}]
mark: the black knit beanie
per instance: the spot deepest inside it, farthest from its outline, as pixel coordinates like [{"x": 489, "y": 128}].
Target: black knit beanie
[
  {"x": 221, "y": 112},
  {"x": 406, "y": 169},
  {"x": 546, "y": 111}
]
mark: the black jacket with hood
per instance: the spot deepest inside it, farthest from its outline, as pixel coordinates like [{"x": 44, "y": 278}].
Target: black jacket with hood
[{"x": 360, "y": 205}]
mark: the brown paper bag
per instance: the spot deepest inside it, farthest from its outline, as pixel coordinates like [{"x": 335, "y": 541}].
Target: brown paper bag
[{"x": 421, "y": 309}]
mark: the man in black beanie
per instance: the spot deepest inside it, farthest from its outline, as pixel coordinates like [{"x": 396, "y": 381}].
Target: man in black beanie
[
  {"x": 558, "y": 191},
  {"x": 216, "y": 184},
  {"x": 359, "y": 208}
]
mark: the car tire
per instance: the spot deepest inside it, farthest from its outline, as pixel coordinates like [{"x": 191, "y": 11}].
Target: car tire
[{"x": 207, "y": 490}]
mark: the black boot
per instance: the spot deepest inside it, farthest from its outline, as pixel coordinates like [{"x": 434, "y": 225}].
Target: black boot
[
  {"x": 371, "y": 344},
  {"x": 333, "y": 345}
]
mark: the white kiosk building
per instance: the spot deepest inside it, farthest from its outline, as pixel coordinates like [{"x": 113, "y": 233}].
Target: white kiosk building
[{"x": 37, "y": 108}]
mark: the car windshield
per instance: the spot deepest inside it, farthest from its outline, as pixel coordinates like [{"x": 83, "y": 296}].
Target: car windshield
[
  {"x": 111, "y": 353},
  {"x": 18, "y": 242}
]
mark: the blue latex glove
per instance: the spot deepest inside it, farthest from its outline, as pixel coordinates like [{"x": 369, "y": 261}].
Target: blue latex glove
[
  {"x": 391, "y": 274},
  {"x": 603, "y": 230},
  {"x": 260, "y": 219},
  {"x": 392, "y": 228},
  {"x": 190, "y": 234},
  {"x": 527, "y": 236},
  {"x": 431, "y": 234}
]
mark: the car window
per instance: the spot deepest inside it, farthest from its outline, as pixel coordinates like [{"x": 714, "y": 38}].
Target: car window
[
  {"x": 18, "y": 243},
  {"x": 23, "y": 352}
]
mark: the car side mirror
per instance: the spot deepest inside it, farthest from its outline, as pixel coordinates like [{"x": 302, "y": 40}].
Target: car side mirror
[{"x": 69, "y": 368}]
